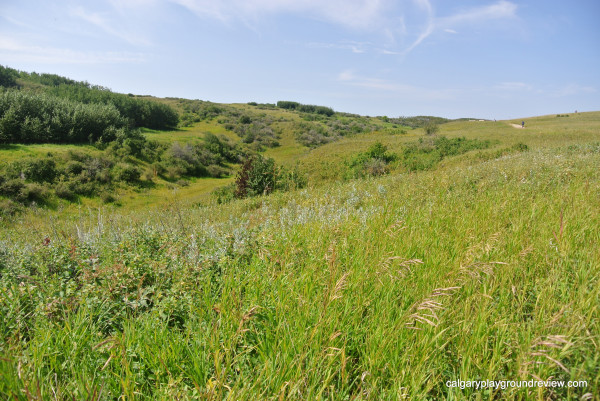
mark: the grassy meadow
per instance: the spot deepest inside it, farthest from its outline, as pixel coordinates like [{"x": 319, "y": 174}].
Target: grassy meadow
[{"x": 484, "y": 267}]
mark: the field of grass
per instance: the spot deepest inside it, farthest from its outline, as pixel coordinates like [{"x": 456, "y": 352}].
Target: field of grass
[{"x": 484, "y": 268}]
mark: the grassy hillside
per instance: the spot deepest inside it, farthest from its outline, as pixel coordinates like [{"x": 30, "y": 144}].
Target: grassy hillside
[
  {"x": 473, "y": 254},
  {"x": 485, "y": 267}
]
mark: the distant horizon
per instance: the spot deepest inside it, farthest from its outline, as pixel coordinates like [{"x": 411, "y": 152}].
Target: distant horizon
[{"x": 495, "y": 59}]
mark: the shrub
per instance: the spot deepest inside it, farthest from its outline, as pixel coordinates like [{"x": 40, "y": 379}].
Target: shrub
[
  {"x": 62, "y": 190},
  {"x": 11, "y": 188},
  {"x": 73, "y": 167},
  {"x": 127, "y": 173},
  {"x": 431, "y": 128},
  {"x": 520, "y": 147},
  {"x": 374, "y": 162},
  {"x": 225, "y": 194},
  {"x": 291, "y": 179},
  {"x": 37, "y": 170},
  {"x": 376, "y": 167},
  {"x": 427, "y": 152},
  {"x": 217, "y": 171},
  {"x": 257, "y": 176},
  {"x": 182, "y": 183},
  {"x": 8, "y": 207},
  {"x": 33, "y": 192},
  {"x": 107, "y": 197}
]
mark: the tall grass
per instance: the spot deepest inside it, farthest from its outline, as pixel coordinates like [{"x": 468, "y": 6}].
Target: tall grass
[{"x": 372, "y": 289}]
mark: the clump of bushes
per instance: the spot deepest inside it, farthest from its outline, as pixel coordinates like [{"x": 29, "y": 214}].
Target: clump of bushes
[
  {"x": 260, "y": 175},
  {"x": 317, "y": 134},
  {"x": 305, "y": 108},
  {"x": 39, "y": 118},
  {"x": 374, "y": 162},
  {"x": 200, "y": 159},
  {"x": 427, "y": 152}
]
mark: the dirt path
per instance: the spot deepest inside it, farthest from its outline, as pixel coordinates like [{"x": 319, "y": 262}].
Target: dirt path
[{"x": 517, "y": 125}]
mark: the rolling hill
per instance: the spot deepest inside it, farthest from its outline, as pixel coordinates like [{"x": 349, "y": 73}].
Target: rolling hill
[{"x": 404, "y": 265}]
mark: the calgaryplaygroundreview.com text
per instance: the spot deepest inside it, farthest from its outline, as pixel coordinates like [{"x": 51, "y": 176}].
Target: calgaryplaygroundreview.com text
[{"x": 504, "y": 384}]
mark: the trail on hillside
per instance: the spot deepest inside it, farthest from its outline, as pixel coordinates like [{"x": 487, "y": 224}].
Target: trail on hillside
[{"x": 517, "y": 125}]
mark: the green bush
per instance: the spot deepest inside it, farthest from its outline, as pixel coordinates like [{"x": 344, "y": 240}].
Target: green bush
[
  {"x": 33, "y": 192},
  {"x": 291, "y": 179},
  {"x": 8, "y": 207},
  {"x": 257, "y": 176},
  {"x": 374, "y": 162},
  {"x": 431, "y": 128},
  {"x": 127, "y": 173},
  {"x": 30, "y": 169},
  {"x": 62, "y": 190},
  {"x": 11, "y": 188},
  {"x": 39, "y": 118},
  {"x": 225, "y": 194},
  {"x": 107, "y": 197},
  {"x": 520, "y": 147},
  {"x": 427, "y": 152}
]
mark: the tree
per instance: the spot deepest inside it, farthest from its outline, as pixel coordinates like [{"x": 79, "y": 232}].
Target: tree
[
  {"x": 257, "y": 176},
  {"x": 431, "y": 128}
]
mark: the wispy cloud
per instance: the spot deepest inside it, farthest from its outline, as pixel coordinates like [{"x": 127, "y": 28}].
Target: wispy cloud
[
  {"x": 14, "y": 51},
  {"x": 353, "y": 46},
  {"x": 513, "y": 86},
  {"x": 348, "y": 77},
  {"x": 429, "y": 25},
  {"x": 358, "y": 14},
  {"x": 555, "y": 91},
  {"x": 105, "y": 24},
  {"x": 573, "y": 89},
  {"x": 389, "y": 18},
  {"x": 501, "y": 9}
]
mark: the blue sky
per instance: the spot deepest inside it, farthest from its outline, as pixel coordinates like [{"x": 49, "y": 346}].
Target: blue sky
[{"x": 463, "y": 58}]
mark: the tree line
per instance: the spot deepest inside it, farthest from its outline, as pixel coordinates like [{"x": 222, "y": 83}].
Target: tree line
[
  {"x": 136, "y": 112},
  {"x": 305, "y": 108}
]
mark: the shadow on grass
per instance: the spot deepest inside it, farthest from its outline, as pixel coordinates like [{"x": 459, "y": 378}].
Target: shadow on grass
[{"x": 10, "y": 146}]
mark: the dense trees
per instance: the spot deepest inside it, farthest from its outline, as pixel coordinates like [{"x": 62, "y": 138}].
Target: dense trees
[
  {"x": 8, "y": 77},
  {"x": 27, "y": 117},
  {"x": 139, "y": 112},
  {"x": 305, "y": 108},
  {"x": 136, "y": 112}
]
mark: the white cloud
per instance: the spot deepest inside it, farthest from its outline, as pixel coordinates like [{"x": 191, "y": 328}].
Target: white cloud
[
  {"x": 353, "y": 46},
  {"x": 14, "y": 51},
  {"x": 388, "y": 18},
  {"x": 499, "y": 10},
  {"x": 358, "y": 14},
  {"x": 573, "y": 89},
  {"x": 348, "y": 77},
  {"x": 513, "y": 86},
  {"x": 106, "y": 25}
]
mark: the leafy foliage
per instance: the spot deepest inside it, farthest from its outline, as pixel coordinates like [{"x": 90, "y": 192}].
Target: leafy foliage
[
  {"x": 8, "y": 77},
  {"x": 417, "y": 121},
  {"x": 305, "y": 108},
  {"x": 374, "y": 162},
  {"x": 38, "y": 118},
  {"x": 259, "y": 175},
  {"x": 427, "y": 152},
  {"x": 138, "y": 112}
]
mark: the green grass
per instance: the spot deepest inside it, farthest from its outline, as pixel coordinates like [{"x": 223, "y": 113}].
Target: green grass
[
  {"x": 12, "y": 152},
  {"x": 486, "y": 267}
]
